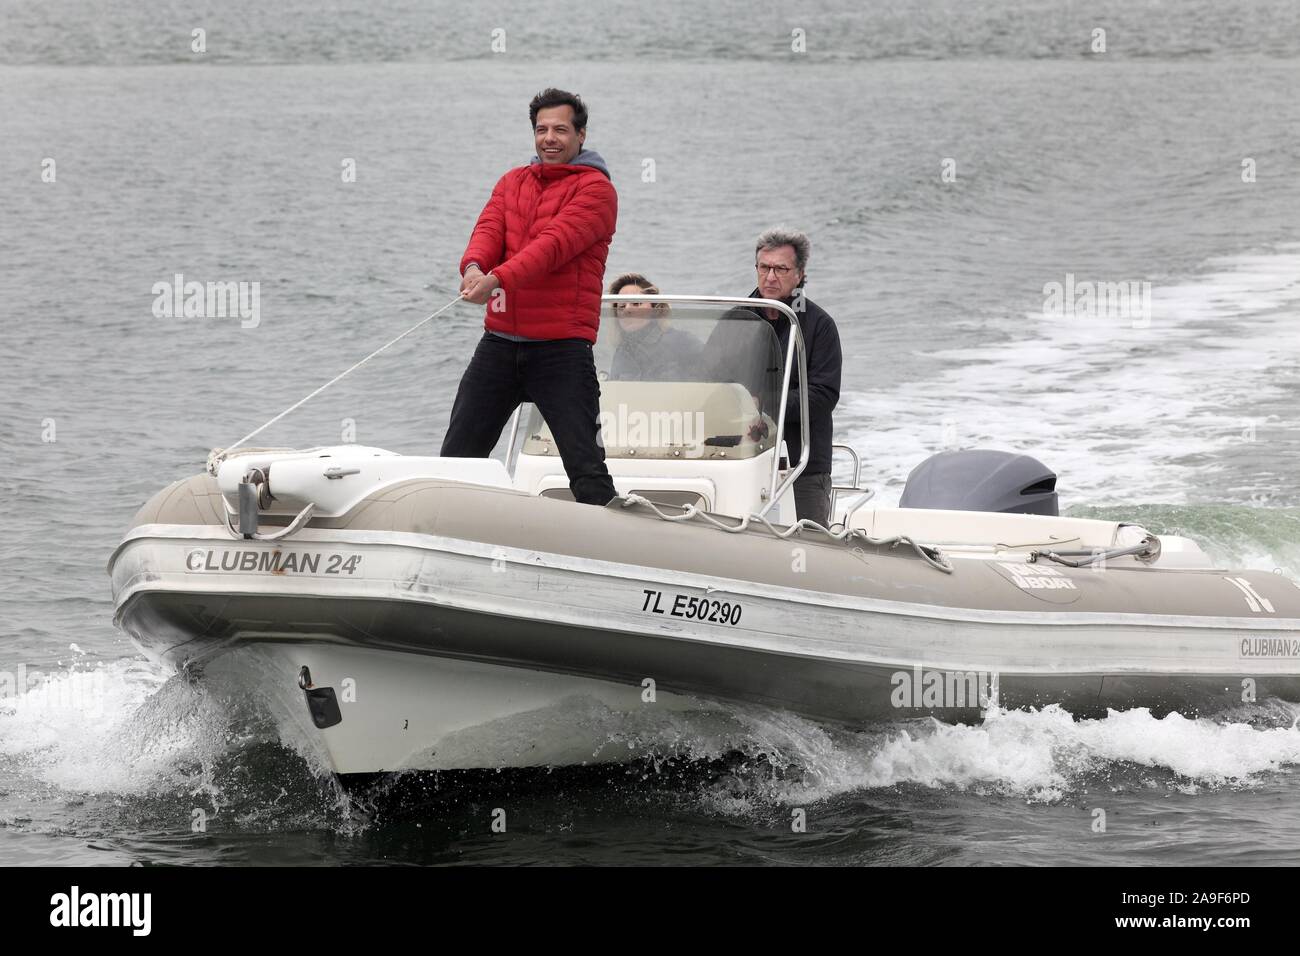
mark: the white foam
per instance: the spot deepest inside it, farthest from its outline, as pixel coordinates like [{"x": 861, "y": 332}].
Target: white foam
[
  {"x": 160, "y": 735},
  {"x": 116, "y": 727},
  {"x": 1121, "y": 413},
  {"x": 1038, "y": 755}
]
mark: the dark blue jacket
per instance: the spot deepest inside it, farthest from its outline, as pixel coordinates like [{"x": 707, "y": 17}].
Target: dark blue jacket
[{"x": 730, "y": 353}]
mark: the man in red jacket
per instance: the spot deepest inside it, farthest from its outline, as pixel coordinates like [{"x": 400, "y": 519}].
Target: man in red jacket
[{"x": 537, "y": 258}]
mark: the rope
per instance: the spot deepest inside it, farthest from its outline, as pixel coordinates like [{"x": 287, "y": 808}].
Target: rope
[
  {"x": 218, "y": 455},
  {"x": 1147, "y": 550},
  {"x": 931, "y": 556}
]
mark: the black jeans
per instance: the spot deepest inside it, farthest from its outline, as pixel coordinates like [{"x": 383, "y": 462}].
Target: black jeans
[
  {"x": 812, "y": 498},
  {"x": 559, "y": 377}
]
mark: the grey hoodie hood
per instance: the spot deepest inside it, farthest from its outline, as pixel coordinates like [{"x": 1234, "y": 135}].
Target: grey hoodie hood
[{"x": 585, "y": 157}]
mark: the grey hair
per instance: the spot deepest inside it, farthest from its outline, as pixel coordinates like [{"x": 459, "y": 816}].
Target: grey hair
[{"x": 780, "y": 236}]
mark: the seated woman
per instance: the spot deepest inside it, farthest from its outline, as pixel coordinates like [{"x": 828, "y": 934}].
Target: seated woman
[{"x": 647, "y": 347}]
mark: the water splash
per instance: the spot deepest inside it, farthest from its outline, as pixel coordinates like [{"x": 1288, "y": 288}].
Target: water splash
[
  {"x": 121, "y": 739},
  {"x": 1040, "y": 755},
  {"x": 172, "y": 742}
]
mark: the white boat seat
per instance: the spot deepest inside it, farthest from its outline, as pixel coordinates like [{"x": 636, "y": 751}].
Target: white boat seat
[{"x": 668, "y": 420}]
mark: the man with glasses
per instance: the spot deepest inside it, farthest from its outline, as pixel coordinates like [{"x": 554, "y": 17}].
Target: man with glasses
[{"x": 781, "y": 258}]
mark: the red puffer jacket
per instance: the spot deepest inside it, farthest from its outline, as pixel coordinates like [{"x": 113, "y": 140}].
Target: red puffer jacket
[{"x": 545, "y": 234}]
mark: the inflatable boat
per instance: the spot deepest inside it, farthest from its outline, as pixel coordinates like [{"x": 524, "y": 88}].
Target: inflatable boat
[{"x": 422, "y": 613}]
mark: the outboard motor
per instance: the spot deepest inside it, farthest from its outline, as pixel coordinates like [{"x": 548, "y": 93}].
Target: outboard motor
[{"x": 982, "y": 480}]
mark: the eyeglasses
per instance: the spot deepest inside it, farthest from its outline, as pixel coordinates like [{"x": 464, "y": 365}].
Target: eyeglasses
[{"x": 780, "y": 271}]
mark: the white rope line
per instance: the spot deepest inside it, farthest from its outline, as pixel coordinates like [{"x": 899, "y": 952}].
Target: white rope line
[
  {"x": 218, "y": 455},
  {"x": 931, "y": 556}
]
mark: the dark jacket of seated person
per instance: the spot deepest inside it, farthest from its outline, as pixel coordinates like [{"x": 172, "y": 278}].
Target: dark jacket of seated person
[{"x": 742, "y": 348}]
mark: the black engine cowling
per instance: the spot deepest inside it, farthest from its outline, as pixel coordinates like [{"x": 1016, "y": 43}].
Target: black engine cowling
[{"x": 982, "y": 480}]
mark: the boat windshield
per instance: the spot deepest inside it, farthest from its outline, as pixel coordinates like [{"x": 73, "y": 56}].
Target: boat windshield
[{"x": 681, "y": 380}]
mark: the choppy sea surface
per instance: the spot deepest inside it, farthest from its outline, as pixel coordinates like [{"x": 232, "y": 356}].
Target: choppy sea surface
[{"x": 950, "y": 162}]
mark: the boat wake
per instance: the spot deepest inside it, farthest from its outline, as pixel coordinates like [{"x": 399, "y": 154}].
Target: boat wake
[
  {"x": 1041, "y": 756},
  {"x": 157, "y": 749},
  {"x": 1107, "y": 402}
]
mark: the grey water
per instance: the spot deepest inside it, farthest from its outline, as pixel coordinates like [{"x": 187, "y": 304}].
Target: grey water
[{"x": 950, "y": 162}]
